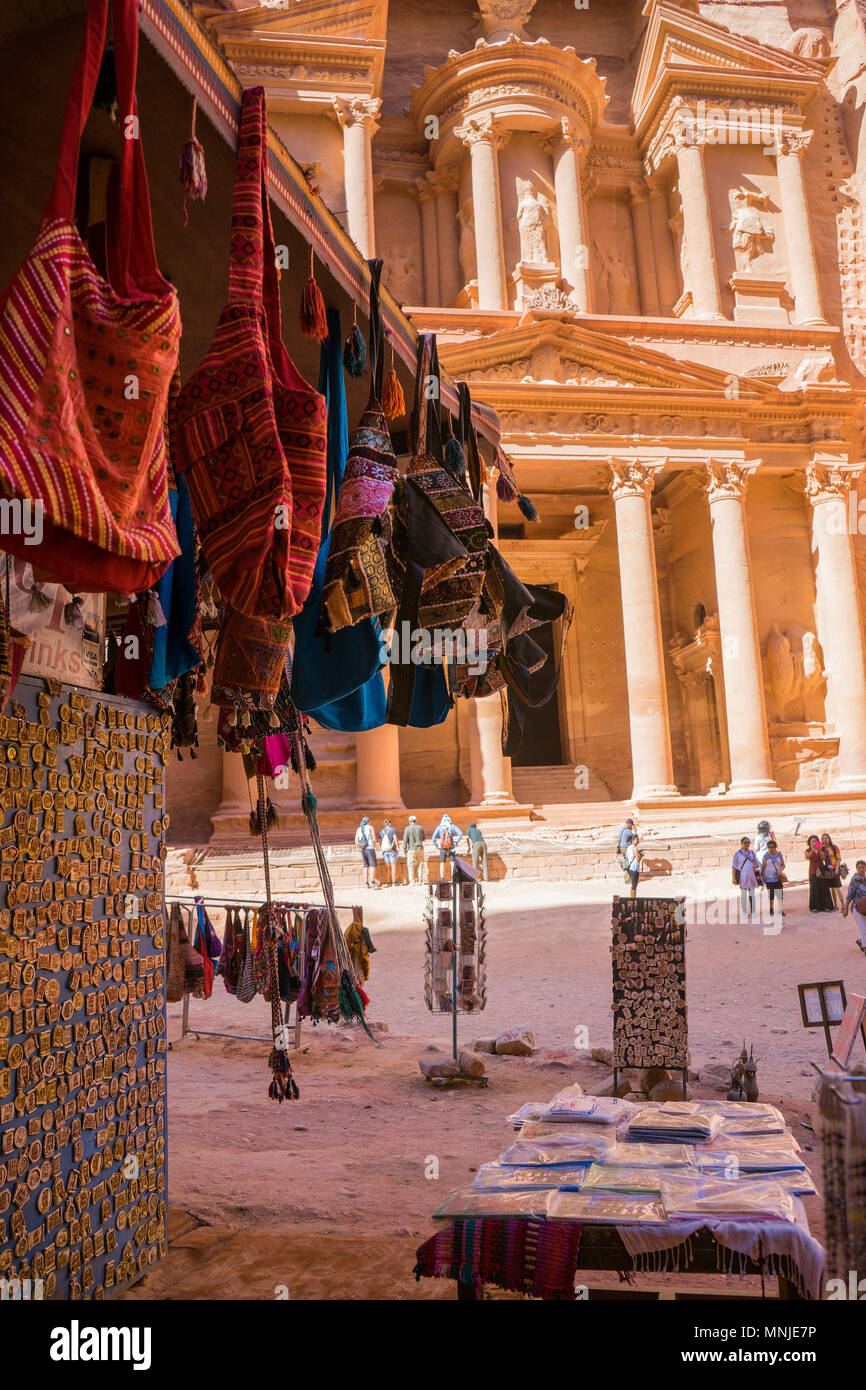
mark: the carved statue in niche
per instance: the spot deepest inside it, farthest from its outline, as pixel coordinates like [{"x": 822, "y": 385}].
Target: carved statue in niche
[
  {"x": 796, "y": 680},
  {"x": 751, "y": 237},
  {"x": 468, "y": 252},
  {"x": 678, "y": 231},
  {"x": 533, "y": 220}
]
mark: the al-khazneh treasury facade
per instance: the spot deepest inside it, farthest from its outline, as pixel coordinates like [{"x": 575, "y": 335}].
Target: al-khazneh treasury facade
[{"x": 637, "y": 230}]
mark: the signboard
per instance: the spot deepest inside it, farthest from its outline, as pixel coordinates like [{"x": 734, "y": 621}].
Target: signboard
[
  {"x": 852, "y": 1023},
  {"x": 59, "y": 648},
  {"x": 650, "y": 1025}
]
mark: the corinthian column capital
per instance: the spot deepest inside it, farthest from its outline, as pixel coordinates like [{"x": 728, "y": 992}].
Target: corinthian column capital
[
  {"x": 478, "y": 129},
  {"x": 825, "y": 482},
  {"x": 792, "y": 141},
  {"x": 358, "y": 111},
  {"x": 728, "y": 480},
  {"x": 632, "y": 477}
]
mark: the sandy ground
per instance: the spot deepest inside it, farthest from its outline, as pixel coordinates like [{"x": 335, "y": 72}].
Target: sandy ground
[{"x": 329, "y": 1196}]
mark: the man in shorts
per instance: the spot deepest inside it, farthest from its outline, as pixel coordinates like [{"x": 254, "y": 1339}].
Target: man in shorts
[{"x": 365, "y": 839}]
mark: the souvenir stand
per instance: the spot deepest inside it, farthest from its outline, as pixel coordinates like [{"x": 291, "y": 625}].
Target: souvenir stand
[
  {"x": 455, "y": 970},
  {"x": 149, "y": 499}
]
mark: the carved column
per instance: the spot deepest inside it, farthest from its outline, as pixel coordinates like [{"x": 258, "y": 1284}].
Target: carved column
[
  {"x": 643, "y": 240},
  {"x": 697, "y": 226},
  {"x": 749, "y": 746},
  {"x": 358, "y": 117},
  {"x": 429, "y": 233},
  {"x": 377, "y": 772},
  {"x": 566, "y": 149},
  {"x": 490, "y": 770},
  {"x": 663, "y": 248},
  {"x": 649, "y": 722},
  {"x": 481, "y": 136},
  {"x": 450, "y": 279},
  {"x": 840, "y": 623},
  {"x": 803, "y": 267}
]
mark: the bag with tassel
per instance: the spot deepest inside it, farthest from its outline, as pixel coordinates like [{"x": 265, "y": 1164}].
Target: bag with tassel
[
  {"x": 251, "y": 431},
  {"x": 357, "y": 583},
  {"x": 68, "y": 437},
  {"x": 441, "y": 541},
  {"x": 246, "y": 990},
  {"x": 175, "y": 965},
  {"x": 336, "y": 676}
]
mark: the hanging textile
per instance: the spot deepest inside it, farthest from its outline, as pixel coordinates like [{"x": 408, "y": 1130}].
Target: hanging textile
[
  {"x": 177, "y": 642},
  {"x": 357, "y": 583},
  {"x": 336, "y": 677},
  {"x": 85, "y": 362},
  {"x": 252, "y": 432}
]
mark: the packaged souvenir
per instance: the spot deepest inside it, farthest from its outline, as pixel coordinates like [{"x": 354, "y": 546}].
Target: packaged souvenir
[{"x": 617, "y": 1209}]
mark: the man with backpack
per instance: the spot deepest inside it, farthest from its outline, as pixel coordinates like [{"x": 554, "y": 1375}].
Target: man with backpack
[
  {"x": 413, "y": 848},
  {"x": 365, "y": 839},
  {"x": 446, "y": 838}
]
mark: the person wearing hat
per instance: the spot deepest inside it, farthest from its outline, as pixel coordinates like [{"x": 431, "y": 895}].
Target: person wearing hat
[
  {"x": 413, "y": 848},
  {"x": 477, "y": 849},
  {"x": 365, "y": 839}
]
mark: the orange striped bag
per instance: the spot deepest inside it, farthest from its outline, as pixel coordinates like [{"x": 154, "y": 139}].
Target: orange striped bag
[{"x": 86, "y": 364}]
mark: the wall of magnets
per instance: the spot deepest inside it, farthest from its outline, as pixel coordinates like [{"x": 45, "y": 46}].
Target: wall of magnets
[{"x": 82, "y": 990}]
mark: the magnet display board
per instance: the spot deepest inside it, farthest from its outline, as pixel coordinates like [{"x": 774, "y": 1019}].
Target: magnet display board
[
  {"x": 648, "y": 951},
  {"x": 82, "y": 990}
]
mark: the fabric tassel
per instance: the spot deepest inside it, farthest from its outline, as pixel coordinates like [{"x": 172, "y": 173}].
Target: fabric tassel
[
  {"x": 193, "y": 175},
  {"x": 271, "y": 816},
  {"x": 393, "y": 400},
  {"x": 308, "y": 757},
  {"x": 505, "y": 490},
  {"x": 314, "y": 321},
  {"x": 455, "y": 458},
  {"x": 283, "y": 1086},
  {"x": 155, "y": 613},
  {"x": 72, "y": 614},
  {"x": 355, "y": 352},
  {"x": 254, "y": 823},
  {"x": 530, "y": 511}
]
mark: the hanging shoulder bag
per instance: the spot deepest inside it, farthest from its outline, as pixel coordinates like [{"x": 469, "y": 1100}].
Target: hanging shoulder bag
[
  {"x": 86, "y": 363},
  {"x": 251, "y": 431}
]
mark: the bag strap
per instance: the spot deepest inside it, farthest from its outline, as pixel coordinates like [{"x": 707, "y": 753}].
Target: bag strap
[
  {"x": 332, "y": 387},
  {"x": 377, "y": 345},
  {"x": 420, "y": 415},
  {"x": 247, "y": 274},
  {"x": 469, "y": 440},
  {"x": 134, "y": 270}
]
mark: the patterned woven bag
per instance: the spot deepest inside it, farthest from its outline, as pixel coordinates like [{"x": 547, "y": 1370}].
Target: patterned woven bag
[
  {"x": 357, "y": 576},
  {"x": 86, "y": 363},
  {"x": 251, "y": 431}
]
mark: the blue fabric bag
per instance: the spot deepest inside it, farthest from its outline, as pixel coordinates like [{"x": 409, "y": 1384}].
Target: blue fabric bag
[
  {"x": 336, "y": 677},
  {"x": 173, "y": 652}
]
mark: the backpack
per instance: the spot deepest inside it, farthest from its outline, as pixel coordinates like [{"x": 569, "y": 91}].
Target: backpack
[{"x": 447, "y": 840}]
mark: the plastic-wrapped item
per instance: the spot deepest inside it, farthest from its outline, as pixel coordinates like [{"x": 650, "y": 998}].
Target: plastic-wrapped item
[
  {"x": 555, "y": 1129},
  {"x": 529, "y": 1111},
  {"x": 726, "y": 1199},
  {"x": 541, "y": 1152},
  {"x": 472, "y": 1201},
  {"x": 654, "y": 1125},
  {"x": 748, "y": 1160},
  {"x": 652, "y": 1155},
  {"x": 504, "y": 1177},
  {"x": 733, "y": 1143},
  {"x": 614, "y": 1208},
  {"x": 621, "y": 1178},
  {"x": 752, "y": 1124},
  {"x": 598, "y": 1110}
]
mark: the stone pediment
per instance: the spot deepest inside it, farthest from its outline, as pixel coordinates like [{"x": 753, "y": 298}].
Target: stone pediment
[
  {"x": 351, "y": 19},
  {"x": 684, "y": 52},
  {"x": 563, "y": 354}
]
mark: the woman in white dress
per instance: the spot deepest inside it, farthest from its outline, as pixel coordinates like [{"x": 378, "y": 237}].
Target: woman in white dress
[{"x": 746, "y": 872}]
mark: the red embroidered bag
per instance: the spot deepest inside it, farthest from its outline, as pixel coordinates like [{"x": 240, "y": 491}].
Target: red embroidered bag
[
  {"x": 251, "y": 431},
  {"x": 86, "y": 365}
]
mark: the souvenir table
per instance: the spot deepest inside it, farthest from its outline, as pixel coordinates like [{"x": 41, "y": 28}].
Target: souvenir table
[{"x": 720, "y": 1193}]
